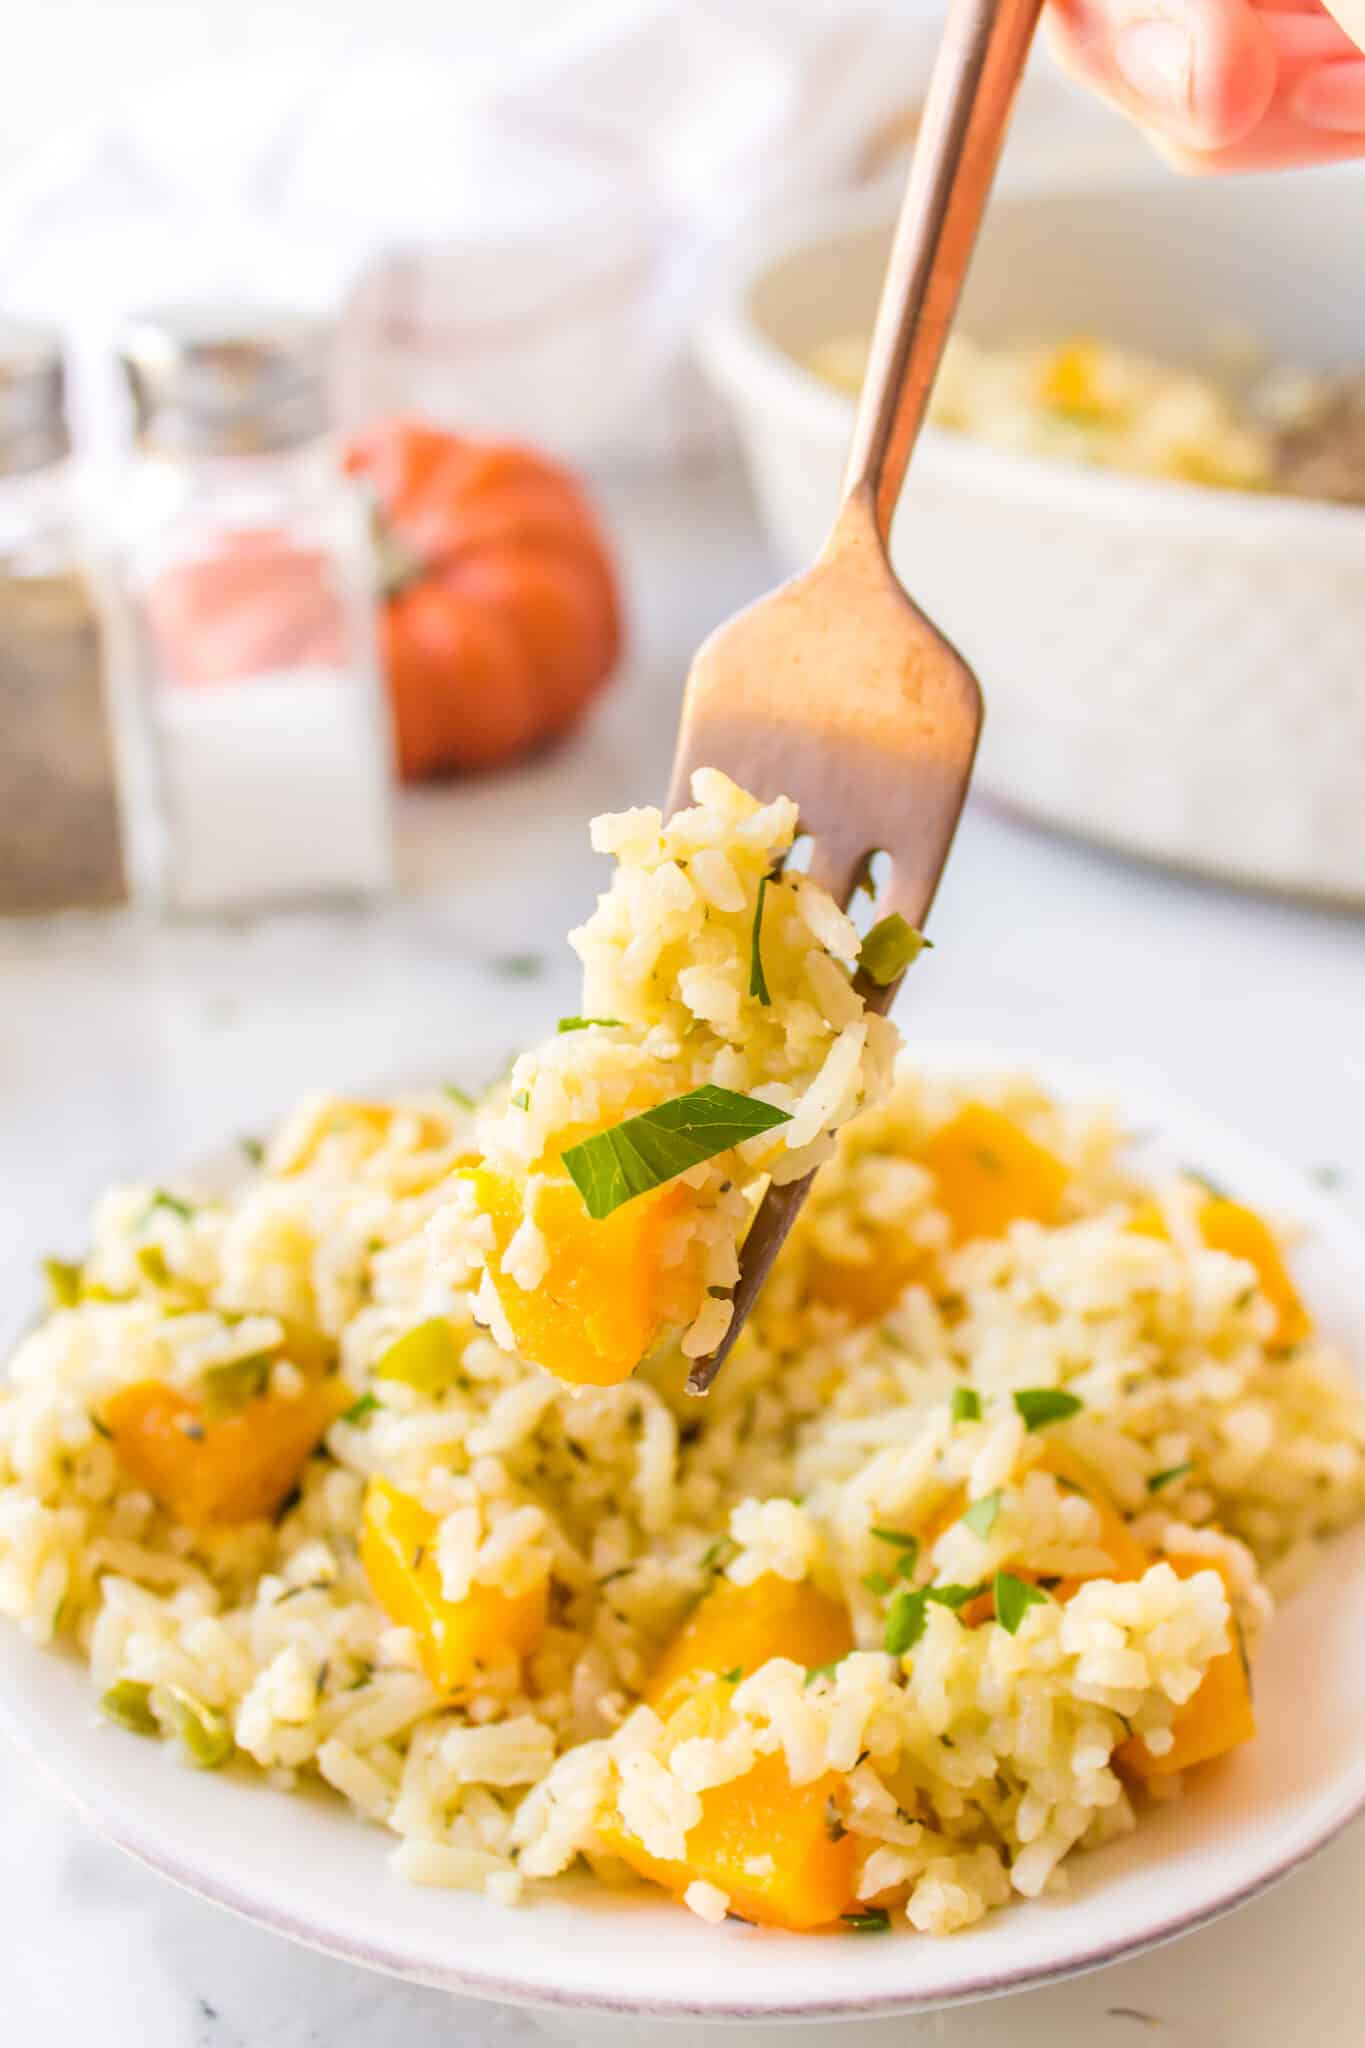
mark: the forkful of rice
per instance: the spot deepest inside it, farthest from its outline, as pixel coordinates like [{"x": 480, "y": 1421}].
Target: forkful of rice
[{"x": 639, "y": 1174}]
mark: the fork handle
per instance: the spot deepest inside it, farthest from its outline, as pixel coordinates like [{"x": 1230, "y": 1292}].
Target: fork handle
[{"x": 976, "y": 75}]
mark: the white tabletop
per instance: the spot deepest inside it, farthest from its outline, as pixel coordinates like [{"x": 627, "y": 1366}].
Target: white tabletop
[{"x": 123, "y": 1051}]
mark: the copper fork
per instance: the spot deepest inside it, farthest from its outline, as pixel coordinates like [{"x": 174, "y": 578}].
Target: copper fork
[{"x": 836, "y": 690}]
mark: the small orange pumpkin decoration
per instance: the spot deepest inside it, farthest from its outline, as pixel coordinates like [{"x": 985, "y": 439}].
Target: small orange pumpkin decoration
[{"x": 501, "y": 619}]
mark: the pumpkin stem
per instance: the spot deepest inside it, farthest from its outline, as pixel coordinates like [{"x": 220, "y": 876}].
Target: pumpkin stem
[{"x": 396, "y": 564}]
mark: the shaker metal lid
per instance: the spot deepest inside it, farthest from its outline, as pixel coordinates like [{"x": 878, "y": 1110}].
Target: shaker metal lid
[
  {"x": 33, "y": 428},
  {"x": 206, "y": 381}
]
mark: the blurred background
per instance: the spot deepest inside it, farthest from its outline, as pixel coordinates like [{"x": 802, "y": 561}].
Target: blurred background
[{"x": 391, "y": 399}]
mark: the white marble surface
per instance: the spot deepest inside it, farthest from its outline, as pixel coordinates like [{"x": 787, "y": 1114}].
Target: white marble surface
[{"x": 123, "y": 1050}]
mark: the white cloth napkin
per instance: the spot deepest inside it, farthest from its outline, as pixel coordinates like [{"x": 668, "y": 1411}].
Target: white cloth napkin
[{"x": 518, "y": 244}]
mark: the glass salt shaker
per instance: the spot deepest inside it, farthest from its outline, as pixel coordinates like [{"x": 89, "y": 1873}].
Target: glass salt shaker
[
  {"x": 243, "y": 559},
  {"x": 61, "y": 844}
]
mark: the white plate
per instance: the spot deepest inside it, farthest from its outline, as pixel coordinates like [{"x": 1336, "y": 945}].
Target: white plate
[{"x": 306, "y": 1868}]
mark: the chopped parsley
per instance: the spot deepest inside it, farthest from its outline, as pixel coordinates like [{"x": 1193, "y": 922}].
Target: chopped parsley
[
  {"x": 966, "y": 1405},
  {"x": 904, "y": 1624},
  {"x": 522, "y": 1099},
  {"x": 822, "y": 1671},
  {"x": 1207, "y": 1182},
  {"x": 253, "y": 1151},
  {"x": 645, "y": 1151},
  {"x": 459, "y": 1096},
  {"x": 876, "y": 1920},
  {"x": 903, "y": 1541},
  {"x": 1013, "y": 1599},
  {"x": 1041, "y": 1405},
  {"x": 228, "y": 1388},
  {"x": 358, "y": 1410},
  {"x": 982, "y": 1515},
  {"x": 588, "y": 1024},
  {"x": 955, "y": 1596},
  {"x": 758, "y": 982},
  {"x": 733, "y": 1675},
  {"x": 876, "y": 1582},
  {"x": 1169, "y": 1476},
  {"x": 163, "y": 1199},
  {"x": 890, "y": 947}
]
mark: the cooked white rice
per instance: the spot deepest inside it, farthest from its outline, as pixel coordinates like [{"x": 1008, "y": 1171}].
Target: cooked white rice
[{"x": 967, "y": 1769}]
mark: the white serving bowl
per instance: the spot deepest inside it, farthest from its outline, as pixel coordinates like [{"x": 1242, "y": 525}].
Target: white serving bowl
[{"x": 1173, "y": 670}]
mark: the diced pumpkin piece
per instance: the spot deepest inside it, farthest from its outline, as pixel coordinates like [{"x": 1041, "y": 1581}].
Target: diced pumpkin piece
[
  {"x": 867, "y": 1289},
  {"x": 454, "y": 1637},
  {"x": 1228, "y": 1226},
  {"x": 990, "y": 1173},
  {"x": 776, "y": 1849},
  {"x": 206, "y": 1469},
  {"x": 744, "y": 1626},
  {"x": 606, "y": 1293},
  {"x": 1217, "y": 1718}
]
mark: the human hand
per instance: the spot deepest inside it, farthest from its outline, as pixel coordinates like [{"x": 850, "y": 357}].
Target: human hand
[{"x": 1222, "y": 85}]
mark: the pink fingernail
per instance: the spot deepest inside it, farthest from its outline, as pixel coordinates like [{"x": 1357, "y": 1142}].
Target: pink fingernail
[
  {"x": 1156, "y": 61},
  {"x": 1332, "y": 97}
]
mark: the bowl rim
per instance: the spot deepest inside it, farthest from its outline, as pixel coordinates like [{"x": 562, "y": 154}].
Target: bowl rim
[{"x": 757, "y": 377}]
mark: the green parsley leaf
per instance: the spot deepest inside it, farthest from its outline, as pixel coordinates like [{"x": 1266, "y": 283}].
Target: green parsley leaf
[
  {"x": 522, "y": 1099},
  {"x": 162, "y": 1199},
  {"x": 954, "y": 1596},
  {"x": 876, "y": 1920},
  {"x": 587, "y": 1024},
  {"x": 1169, "y": 1476},
  {"x": 758, "y": 982},
  {"x": 642, "y": 1153},
  {"x": 717, "y": 1555},
  {"x": 253, "y": 1151},
  {"x": 982, "y": 1515},
  {"x": 1013, "y": 1599},
  {"x": 130, "y": 1704},
  {"x": 876, "y": 1582},
  {"x": 459, "y": 1096},
  {"x": 358, "y": 1410},
  {"x": 1041, "y": 1405},
  {"x": 966, "y": 1405},
  {"x": 228, "y": 1388},
  {"x": 733, "y": 1675},
  {"x": 63, "y": 1277},
  {"x": 425, "y": 1357},
  {"x": 890, "y": 947},
  {"x": 901, "y": 1538},
  {"x": 904, "y": 1624}
]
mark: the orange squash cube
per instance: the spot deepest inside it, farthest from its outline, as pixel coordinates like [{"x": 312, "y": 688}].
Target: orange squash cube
[
  {"x": 606, "y": 1295},
  {"x": 745, "y": 1626},
  {"x": 234, "y": 1468},
  {"x": 454, "y": 1637},
  {"x": 1219, "y": 1715},
  {"x": 776, "y": 1849},
  {"x": 1228, "y": 1226},
  {"x": 990, "y": 1173}
]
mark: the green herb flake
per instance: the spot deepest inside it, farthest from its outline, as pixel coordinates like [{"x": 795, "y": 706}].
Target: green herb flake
[
  {"x": 1207, "y": 1182},
  {"x": 589, "y": 1024},
  {"x": 955, "y": 1596},
  {"x": 522, "y": 1099},
  {"x": 876, "y": 1920},
  {"x": 822, "y": 1671},
  {"x": 63, "y": 1277},
  {"x": 966, "y": 1405},
  {"x": 1041, "y": 1405},
  {"x": 733, "y": 1675},
  {"x": 982, "y": 1516},
  {"x": 425, "y": 1358},
  {"x": 717, "y": 1555},
  {"x": 758, "y": 981},
  {"x": 1168, "y": 1478},
  {"x": 834, "y": 1820},
  {"x": 253, "y": 1151},
  {"x": 647, "y": 1150},
  {"x": 459, "y": 1096},
  {"x": 151, "y": 1263},
  {"x": 358, "y": 1410},
  {"x": 890, "y": 947},
  {"x": 904, "y": 1623},
  {"x": 129, "y": 1703},
  {"x": 1013, "y": 1599},
  {"x": 877, "y": 1583},
  {"x": 163, "y": 1199},
  {"x": 204, "y": 1734},
  {"x": 902, "y": 1540},
  {"x": 228, "y": 1388}
]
